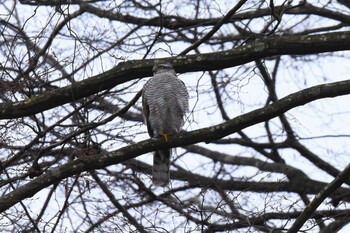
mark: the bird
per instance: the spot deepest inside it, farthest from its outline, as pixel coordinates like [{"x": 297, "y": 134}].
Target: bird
[{"x": 164, "y": 105}]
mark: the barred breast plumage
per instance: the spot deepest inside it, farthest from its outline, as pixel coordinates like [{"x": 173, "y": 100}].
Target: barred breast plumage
[{"x": 165, "y": 103}]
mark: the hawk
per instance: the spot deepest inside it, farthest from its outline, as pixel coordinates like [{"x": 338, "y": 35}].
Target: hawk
[{"x": 164, "y": 103}]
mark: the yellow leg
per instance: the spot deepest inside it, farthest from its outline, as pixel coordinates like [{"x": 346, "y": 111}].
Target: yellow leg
[{"x": 165, "y": 136}]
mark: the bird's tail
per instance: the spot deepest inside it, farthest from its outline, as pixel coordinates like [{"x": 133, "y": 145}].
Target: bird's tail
[{"x": 161, "y": 167}]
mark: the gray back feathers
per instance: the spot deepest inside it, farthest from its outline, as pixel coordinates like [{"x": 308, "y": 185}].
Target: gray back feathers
[{"x": 167, "y": 100}]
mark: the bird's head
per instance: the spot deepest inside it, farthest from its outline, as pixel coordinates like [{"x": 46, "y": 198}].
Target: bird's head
[{"x": 159, "y": 68}]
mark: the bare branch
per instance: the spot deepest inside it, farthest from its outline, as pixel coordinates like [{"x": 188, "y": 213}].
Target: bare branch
[
  {"x": 126, "y": 71},
  {"x": 182, "y": 139}
]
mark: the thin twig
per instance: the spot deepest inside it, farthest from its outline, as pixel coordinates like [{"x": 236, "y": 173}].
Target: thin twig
[
  {"x": 115, "y": 202},
  {"x": 319, "y": 198},
  {"x": 214, "y": 29}
]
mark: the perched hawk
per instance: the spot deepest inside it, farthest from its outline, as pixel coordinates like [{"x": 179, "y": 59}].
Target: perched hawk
[{"x": 164, "y": 102}]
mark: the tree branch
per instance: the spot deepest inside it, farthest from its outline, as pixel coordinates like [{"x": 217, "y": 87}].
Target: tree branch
[
  {"x": 319, "y": 198},
  {"x": 126, "y": 71},
  {"x": 116, "y": 203},
  {"x": 174, "y": 22},
  {"x": 215, "y": 28},
  {"x": 201, "y": 135}
]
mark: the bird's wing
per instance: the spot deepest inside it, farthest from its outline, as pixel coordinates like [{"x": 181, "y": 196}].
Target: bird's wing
[
  {"x": 145, "y": 109},
  {"x": 186, "y": 97}
]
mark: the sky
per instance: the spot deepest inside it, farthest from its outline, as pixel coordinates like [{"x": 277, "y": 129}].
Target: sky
[{"x": 317, "y": 123}]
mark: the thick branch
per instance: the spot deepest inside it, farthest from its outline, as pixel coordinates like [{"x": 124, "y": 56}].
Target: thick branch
[
  {"x": 126, "y": 71},
  {"x": 176, "y": 22},
  {"x": 182, "y": 139}
]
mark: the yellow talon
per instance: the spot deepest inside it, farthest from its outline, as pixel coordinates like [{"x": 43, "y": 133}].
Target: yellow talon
[{"x": 165, "y": 136}]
